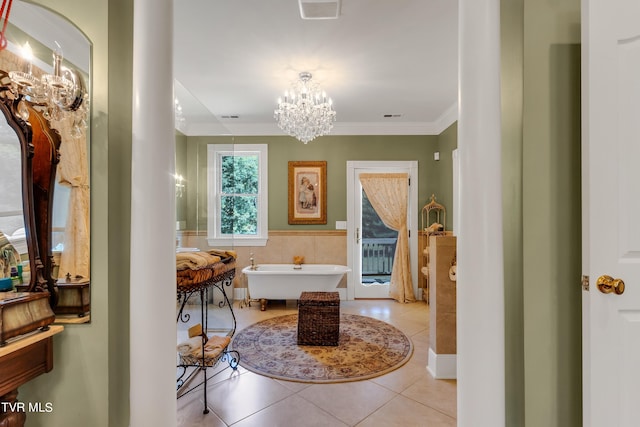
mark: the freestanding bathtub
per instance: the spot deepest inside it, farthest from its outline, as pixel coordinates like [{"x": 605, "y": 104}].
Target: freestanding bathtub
[{"x": 287, "y": 281}]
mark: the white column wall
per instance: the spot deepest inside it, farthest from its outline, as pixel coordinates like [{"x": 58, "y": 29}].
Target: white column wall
[
  {"x": 480, "y": 285},
  {"x": 153, "y": 327}
]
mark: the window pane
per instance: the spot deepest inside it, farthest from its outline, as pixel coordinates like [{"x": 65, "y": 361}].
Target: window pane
[
  {"x": 372, "y": 225},
  {"x": 11, "y": 182},
  {"x": 237, "y": 200},
  {"x": 239, "y": 215},
  {"x": 240, "y": 174}
]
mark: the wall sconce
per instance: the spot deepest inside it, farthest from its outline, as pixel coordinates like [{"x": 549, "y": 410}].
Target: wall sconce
[
  {"x": 58, "y": 95},
  {"x": 180, "y": 185}
]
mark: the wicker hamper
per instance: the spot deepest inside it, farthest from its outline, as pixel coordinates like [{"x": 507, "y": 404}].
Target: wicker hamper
[{"x": 319, "y": 318}]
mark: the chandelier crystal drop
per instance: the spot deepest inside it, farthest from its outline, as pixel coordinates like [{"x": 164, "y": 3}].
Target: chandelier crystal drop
[{"x": 305, "y": 112}]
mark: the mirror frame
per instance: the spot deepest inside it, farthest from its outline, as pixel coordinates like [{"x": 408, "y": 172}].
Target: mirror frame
[{"x": 39, "y": 147}]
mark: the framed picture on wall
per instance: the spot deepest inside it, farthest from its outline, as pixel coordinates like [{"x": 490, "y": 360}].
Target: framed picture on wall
[{"x": 308, "y": 192}]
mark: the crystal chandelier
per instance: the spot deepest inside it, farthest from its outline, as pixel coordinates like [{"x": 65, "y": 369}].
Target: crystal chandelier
[
  {"x": 306, "y": 112},
  {"x": 178, "y": 115},
  {"x": 59, "y": 95}
]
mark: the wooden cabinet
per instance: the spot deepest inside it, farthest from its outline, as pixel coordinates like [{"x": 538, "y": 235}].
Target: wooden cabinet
[
  {"x": 433, "y": 223},
  {"x": 23, "y": 312},
  {"x": 21, "y": 361},
  {"x": 442, "y": 307}
]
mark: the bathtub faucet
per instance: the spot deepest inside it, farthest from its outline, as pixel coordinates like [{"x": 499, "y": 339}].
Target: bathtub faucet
[{"x": 252, "y": 261}]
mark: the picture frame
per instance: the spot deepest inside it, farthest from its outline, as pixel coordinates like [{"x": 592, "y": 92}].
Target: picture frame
[{"x": 307, "y": 192}]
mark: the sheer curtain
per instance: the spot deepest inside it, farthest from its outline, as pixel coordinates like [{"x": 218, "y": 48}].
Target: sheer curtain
[
  {"x": 73, "y": 171},
  {"x": 388, "y": 194}
]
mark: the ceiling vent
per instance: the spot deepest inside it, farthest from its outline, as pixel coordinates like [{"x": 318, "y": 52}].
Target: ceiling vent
[{"x": 319, "y": 9}]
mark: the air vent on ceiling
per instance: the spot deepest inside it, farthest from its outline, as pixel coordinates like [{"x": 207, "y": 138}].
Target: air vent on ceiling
[
  {"x": 386, "y": 116},
  {"x": 319, "y": 9},
  {"x": 230, "y": 116}
]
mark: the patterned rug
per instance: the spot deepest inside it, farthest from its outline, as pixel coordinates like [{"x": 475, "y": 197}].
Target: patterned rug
[{"x": 367, "y": 348}]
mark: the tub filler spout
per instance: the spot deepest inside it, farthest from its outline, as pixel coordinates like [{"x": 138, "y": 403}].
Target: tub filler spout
[{"x": 253, "y": 266}]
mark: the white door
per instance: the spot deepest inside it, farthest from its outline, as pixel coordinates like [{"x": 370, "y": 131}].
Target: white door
[
  {"x": 611, "y": 206},
  {"x": 359, "y": 286}
]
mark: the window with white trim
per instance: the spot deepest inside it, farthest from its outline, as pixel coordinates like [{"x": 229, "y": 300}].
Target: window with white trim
[{"x": 237, "y": 200}]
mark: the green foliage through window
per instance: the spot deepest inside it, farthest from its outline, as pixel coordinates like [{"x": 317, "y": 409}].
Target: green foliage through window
[
  {"x": 239, "y": 198},
  {"x": 372, "y": 225}
]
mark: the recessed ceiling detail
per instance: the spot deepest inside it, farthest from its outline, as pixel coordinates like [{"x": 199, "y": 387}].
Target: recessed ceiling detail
[{"x": 379, "y": 55}]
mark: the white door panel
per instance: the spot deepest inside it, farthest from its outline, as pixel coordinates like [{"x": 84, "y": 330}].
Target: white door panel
[
  {"x": 611, "y": 222},
  {"x": 628, "y": 351},
  {"x": 628, "y": 145}
]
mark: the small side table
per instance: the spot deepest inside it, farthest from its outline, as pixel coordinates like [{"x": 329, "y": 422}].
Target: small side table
[
  {"x": 319, "y": 318},
  {"x": 73, "y": 297}
]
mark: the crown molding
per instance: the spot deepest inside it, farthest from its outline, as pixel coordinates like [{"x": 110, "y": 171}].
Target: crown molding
[
  {"x": 340, "y": 128},
  {"x": 447, "y": 118},
  {"x": 359, "y": 128}
]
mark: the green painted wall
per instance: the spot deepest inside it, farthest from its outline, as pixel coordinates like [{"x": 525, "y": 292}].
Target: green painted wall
[
  {"x": 89, "y": 385},
  {"x": 440, "y": 173},
  {"x": 551, "y": 214},
  {"x": 118, "y": 205},
  {"x": 336, "y": 150},
  {"x": 512, "y": 19}
]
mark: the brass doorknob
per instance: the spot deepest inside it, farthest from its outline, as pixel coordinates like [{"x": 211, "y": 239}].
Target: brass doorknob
[{"x": 607, "y": 284}]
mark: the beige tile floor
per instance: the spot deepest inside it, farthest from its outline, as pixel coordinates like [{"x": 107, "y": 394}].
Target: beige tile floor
[{"x": 408, "y": 396}]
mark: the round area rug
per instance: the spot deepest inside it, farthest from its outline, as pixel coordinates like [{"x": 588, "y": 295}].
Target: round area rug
[{"x": 367, "y": 348}]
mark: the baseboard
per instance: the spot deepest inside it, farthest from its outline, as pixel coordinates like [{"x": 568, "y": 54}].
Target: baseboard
[{"x": 442, "y": 366}]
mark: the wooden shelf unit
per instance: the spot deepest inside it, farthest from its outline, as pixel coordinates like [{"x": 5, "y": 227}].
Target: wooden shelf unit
[{"x": 433, "y": 223}]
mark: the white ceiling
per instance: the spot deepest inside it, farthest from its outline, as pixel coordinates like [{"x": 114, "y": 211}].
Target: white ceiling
[{"x": 236, "y": 57}]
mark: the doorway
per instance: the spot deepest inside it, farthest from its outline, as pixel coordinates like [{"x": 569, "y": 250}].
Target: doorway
[
  {"x": 371, "y": 244},
  {"x": 482, "y": 399}
]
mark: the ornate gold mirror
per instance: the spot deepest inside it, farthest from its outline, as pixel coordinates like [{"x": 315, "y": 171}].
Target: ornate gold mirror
[{"x": 45, "y": 196}]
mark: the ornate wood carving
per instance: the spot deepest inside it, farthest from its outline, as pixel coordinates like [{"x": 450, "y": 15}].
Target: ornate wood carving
[{"x": 40, "y": 155}]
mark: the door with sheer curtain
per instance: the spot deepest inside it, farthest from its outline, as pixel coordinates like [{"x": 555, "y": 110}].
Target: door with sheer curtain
[{"x": 371, "y": 244}]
